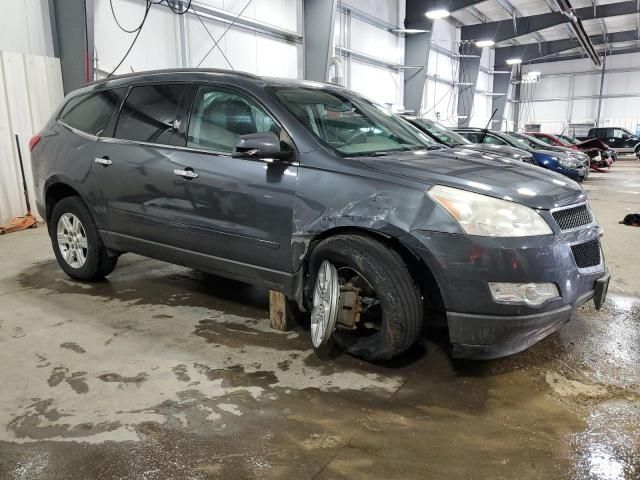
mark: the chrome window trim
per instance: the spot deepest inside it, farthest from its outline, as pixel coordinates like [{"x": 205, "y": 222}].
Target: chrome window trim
[
  {"x": 187, "y": 149},
  {"x": 89, "y": 136}
]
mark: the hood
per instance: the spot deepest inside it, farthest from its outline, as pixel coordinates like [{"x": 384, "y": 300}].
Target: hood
[
  {"x": 593, "y": 143},
  {"x": 500, "y": 150},
  {"x": 481, "y": 173}
]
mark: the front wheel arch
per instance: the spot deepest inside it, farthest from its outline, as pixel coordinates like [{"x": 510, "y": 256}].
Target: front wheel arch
[{"x": 419, "y": 270}]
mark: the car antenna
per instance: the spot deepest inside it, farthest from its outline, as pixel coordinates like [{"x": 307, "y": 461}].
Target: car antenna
[
  {"x": 486, "y": 128},
  {"x": 563, "y": 130}
]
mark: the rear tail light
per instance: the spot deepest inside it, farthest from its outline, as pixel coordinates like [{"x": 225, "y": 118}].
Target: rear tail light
[{"x": 34, "y": 141}]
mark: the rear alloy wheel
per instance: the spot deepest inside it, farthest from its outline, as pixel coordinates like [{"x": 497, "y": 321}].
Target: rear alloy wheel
[
  {"x": 76, "y": 242},
  {"x": 72, "y": 240},
  {"x": 364, "y": 298}
]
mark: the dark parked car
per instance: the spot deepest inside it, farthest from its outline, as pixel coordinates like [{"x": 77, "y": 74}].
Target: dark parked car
[
  {"x": 450, "y": 138},
  {"x": 554, "y": 161},
  {"x": 314, "y": 191},
  {"x": 533, "y": 142},
  {"x": 620, "y": 139},
  {"x": 598, "y": 152}
]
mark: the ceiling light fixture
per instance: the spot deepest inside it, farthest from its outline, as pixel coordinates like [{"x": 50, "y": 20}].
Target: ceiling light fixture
[
  {"x": 514, "y": 61},
  {"x": 410, "y": 30},
  {"x": 484, "y": 43},
  {"x": 435, "y": 14}
]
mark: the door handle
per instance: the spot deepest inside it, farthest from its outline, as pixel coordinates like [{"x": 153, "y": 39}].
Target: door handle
[
  {"x": 188, "y": 173},
  {"x": 104, "y": 161}
]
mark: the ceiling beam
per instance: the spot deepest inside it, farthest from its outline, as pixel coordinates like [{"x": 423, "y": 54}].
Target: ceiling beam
[
  {"x": 580, "y": 56},
  {"x": 503, "y": 30},
  {"x": 535, "y": 51}
]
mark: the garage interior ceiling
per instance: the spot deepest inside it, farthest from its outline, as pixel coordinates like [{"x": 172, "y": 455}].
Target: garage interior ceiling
[{"x": 612, "y": 26}]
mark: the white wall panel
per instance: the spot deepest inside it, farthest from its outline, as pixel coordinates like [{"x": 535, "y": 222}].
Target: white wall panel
[
  {"x": 585, "y": 85},
  {"x": 377, "y": 83},
  {"x": 156, "y": 47},
  {"x": 159, "y": 46},
  {"x": 280, "y": 13},
  {"x": 18, "y": 103},
  {"x": 386, "y": 10},
  {"x": 583, "y": 110},
  {"x": 481, "y": 112},
  {"x": 440, "y": 103},
  {"x": 25, "y": 27},
  {"x": 553, "y": 87},
  {"x": 615, "y": 111},
  {"x": 30, "y": 89},
  {"x": 376, "y": 42}
]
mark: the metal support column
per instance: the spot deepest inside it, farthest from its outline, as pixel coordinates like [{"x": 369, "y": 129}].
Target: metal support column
[
  {"x": 319, "y": 16},
  {"x": 517, "y": 97},
  {"x": 183, "y": 41},
  {"x": 416, "y": 53},
  {"x": 500, "y": 89},
  {"x": 468, "y": 79},
  {"x": 73, "y": 22},
  {"x": 604, "y": 63}
]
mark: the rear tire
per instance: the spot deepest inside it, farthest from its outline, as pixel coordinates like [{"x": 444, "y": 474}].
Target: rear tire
[
  {"x": 400, "y": 301},
  {"x": 76, "y": 242}
]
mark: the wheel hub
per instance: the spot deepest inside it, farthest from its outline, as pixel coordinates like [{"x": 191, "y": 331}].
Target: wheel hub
[
  {"x": 326, "y": 295},
  {"x": 72, "y": 240}
]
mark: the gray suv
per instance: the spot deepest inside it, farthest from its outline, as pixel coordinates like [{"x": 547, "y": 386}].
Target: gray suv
[{"x": 314, "y": 191}]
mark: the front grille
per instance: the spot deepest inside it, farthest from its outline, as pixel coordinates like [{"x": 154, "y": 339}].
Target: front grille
[
  {"x": 587, "y": 254},
  {"x": 573, "y": 217}
]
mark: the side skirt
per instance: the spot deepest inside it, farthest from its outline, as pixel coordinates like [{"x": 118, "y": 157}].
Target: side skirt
[{"x": 287, "y": 283}]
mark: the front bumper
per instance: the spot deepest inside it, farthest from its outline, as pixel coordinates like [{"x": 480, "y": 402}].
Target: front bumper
[
  {"x": 578, "y": 174},
  {"x": 480, "y": 327}
]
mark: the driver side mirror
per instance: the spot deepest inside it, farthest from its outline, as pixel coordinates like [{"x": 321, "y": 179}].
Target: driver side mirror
[{"x": 259, "y": 145}]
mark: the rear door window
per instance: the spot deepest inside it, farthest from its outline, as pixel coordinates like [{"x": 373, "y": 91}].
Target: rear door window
[
  {"x": 219, "y": 117},
  {"x": 90, "y": 113},
  {"x": 150, "y": 113}
]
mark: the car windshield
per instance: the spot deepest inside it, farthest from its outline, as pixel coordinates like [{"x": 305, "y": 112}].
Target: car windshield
[
  {"x": 533, "y": 142},
  {"x": 517, "y": 142},
  {"x": 350, "y": 124},
  {"x": 443, "y": 134}
]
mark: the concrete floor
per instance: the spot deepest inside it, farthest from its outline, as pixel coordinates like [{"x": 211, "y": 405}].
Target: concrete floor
[{"x": 162, "y": 372}]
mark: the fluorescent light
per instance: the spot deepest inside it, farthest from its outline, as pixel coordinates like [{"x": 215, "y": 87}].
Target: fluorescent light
[
  {"x": 435, "y": 14},
  {"x": 514, "y": 61},
  {"x": 409, "y": 31},
  {"x": 484, "y": 43}
]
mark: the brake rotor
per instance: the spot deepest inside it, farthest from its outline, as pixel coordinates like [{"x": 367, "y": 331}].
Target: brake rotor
[{"x": 326, "y": 295}]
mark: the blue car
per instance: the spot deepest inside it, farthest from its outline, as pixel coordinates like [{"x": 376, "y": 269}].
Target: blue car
[{"x": 560, "y": 162}]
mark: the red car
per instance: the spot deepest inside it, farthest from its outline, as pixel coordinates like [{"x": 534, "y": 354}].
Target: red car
[{"x": 599, "y": 152}]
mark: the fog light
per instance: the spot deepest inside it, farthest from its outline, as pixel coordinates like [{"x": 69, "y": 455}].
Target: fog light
[{"x": 530, "y": 293}]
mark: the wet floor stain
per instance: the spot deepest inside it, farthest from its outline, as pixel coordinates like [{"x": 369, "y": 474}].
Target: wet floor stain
[
  {"x": 180, "y": 377},
  {"x": 73, "y": 346}
]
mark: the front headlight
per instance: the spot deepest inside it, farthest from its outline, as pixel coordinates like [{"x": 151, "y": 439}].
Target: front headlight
[
  {"x": 487, "y": 216},
  {"x": 567, "y": 163}
]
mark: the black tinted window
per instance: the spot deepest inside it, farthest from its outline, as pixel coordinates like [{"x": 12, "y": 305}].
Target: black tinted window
[
  {"x": 90, "y": 113},
  {"x": 149, "y": 114},
  {"x": 219, "y": 117}
]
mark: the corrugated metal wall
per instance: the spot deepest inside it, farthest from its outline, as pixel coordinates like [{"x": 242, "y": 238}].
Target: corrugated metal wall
[{"x": 30, "y": 89}]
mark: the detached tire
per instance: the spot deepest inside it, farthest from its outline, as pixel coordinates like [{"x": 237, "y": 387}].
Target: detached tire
[
  {"x": 399, "y": 300},
  {"x": 76, "y": 242}
]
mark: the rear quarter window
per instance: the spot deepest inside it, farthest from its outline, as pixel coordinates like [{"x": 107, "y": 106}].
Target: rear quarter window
[
  {"x": 90, "y": 113},
  {"x": 149, "y": 114}
]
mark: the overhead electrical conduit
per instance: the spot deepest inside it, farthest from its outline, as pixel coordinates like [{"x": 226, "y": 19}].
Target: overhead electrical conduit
[{"x": 578, "y": 28}]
